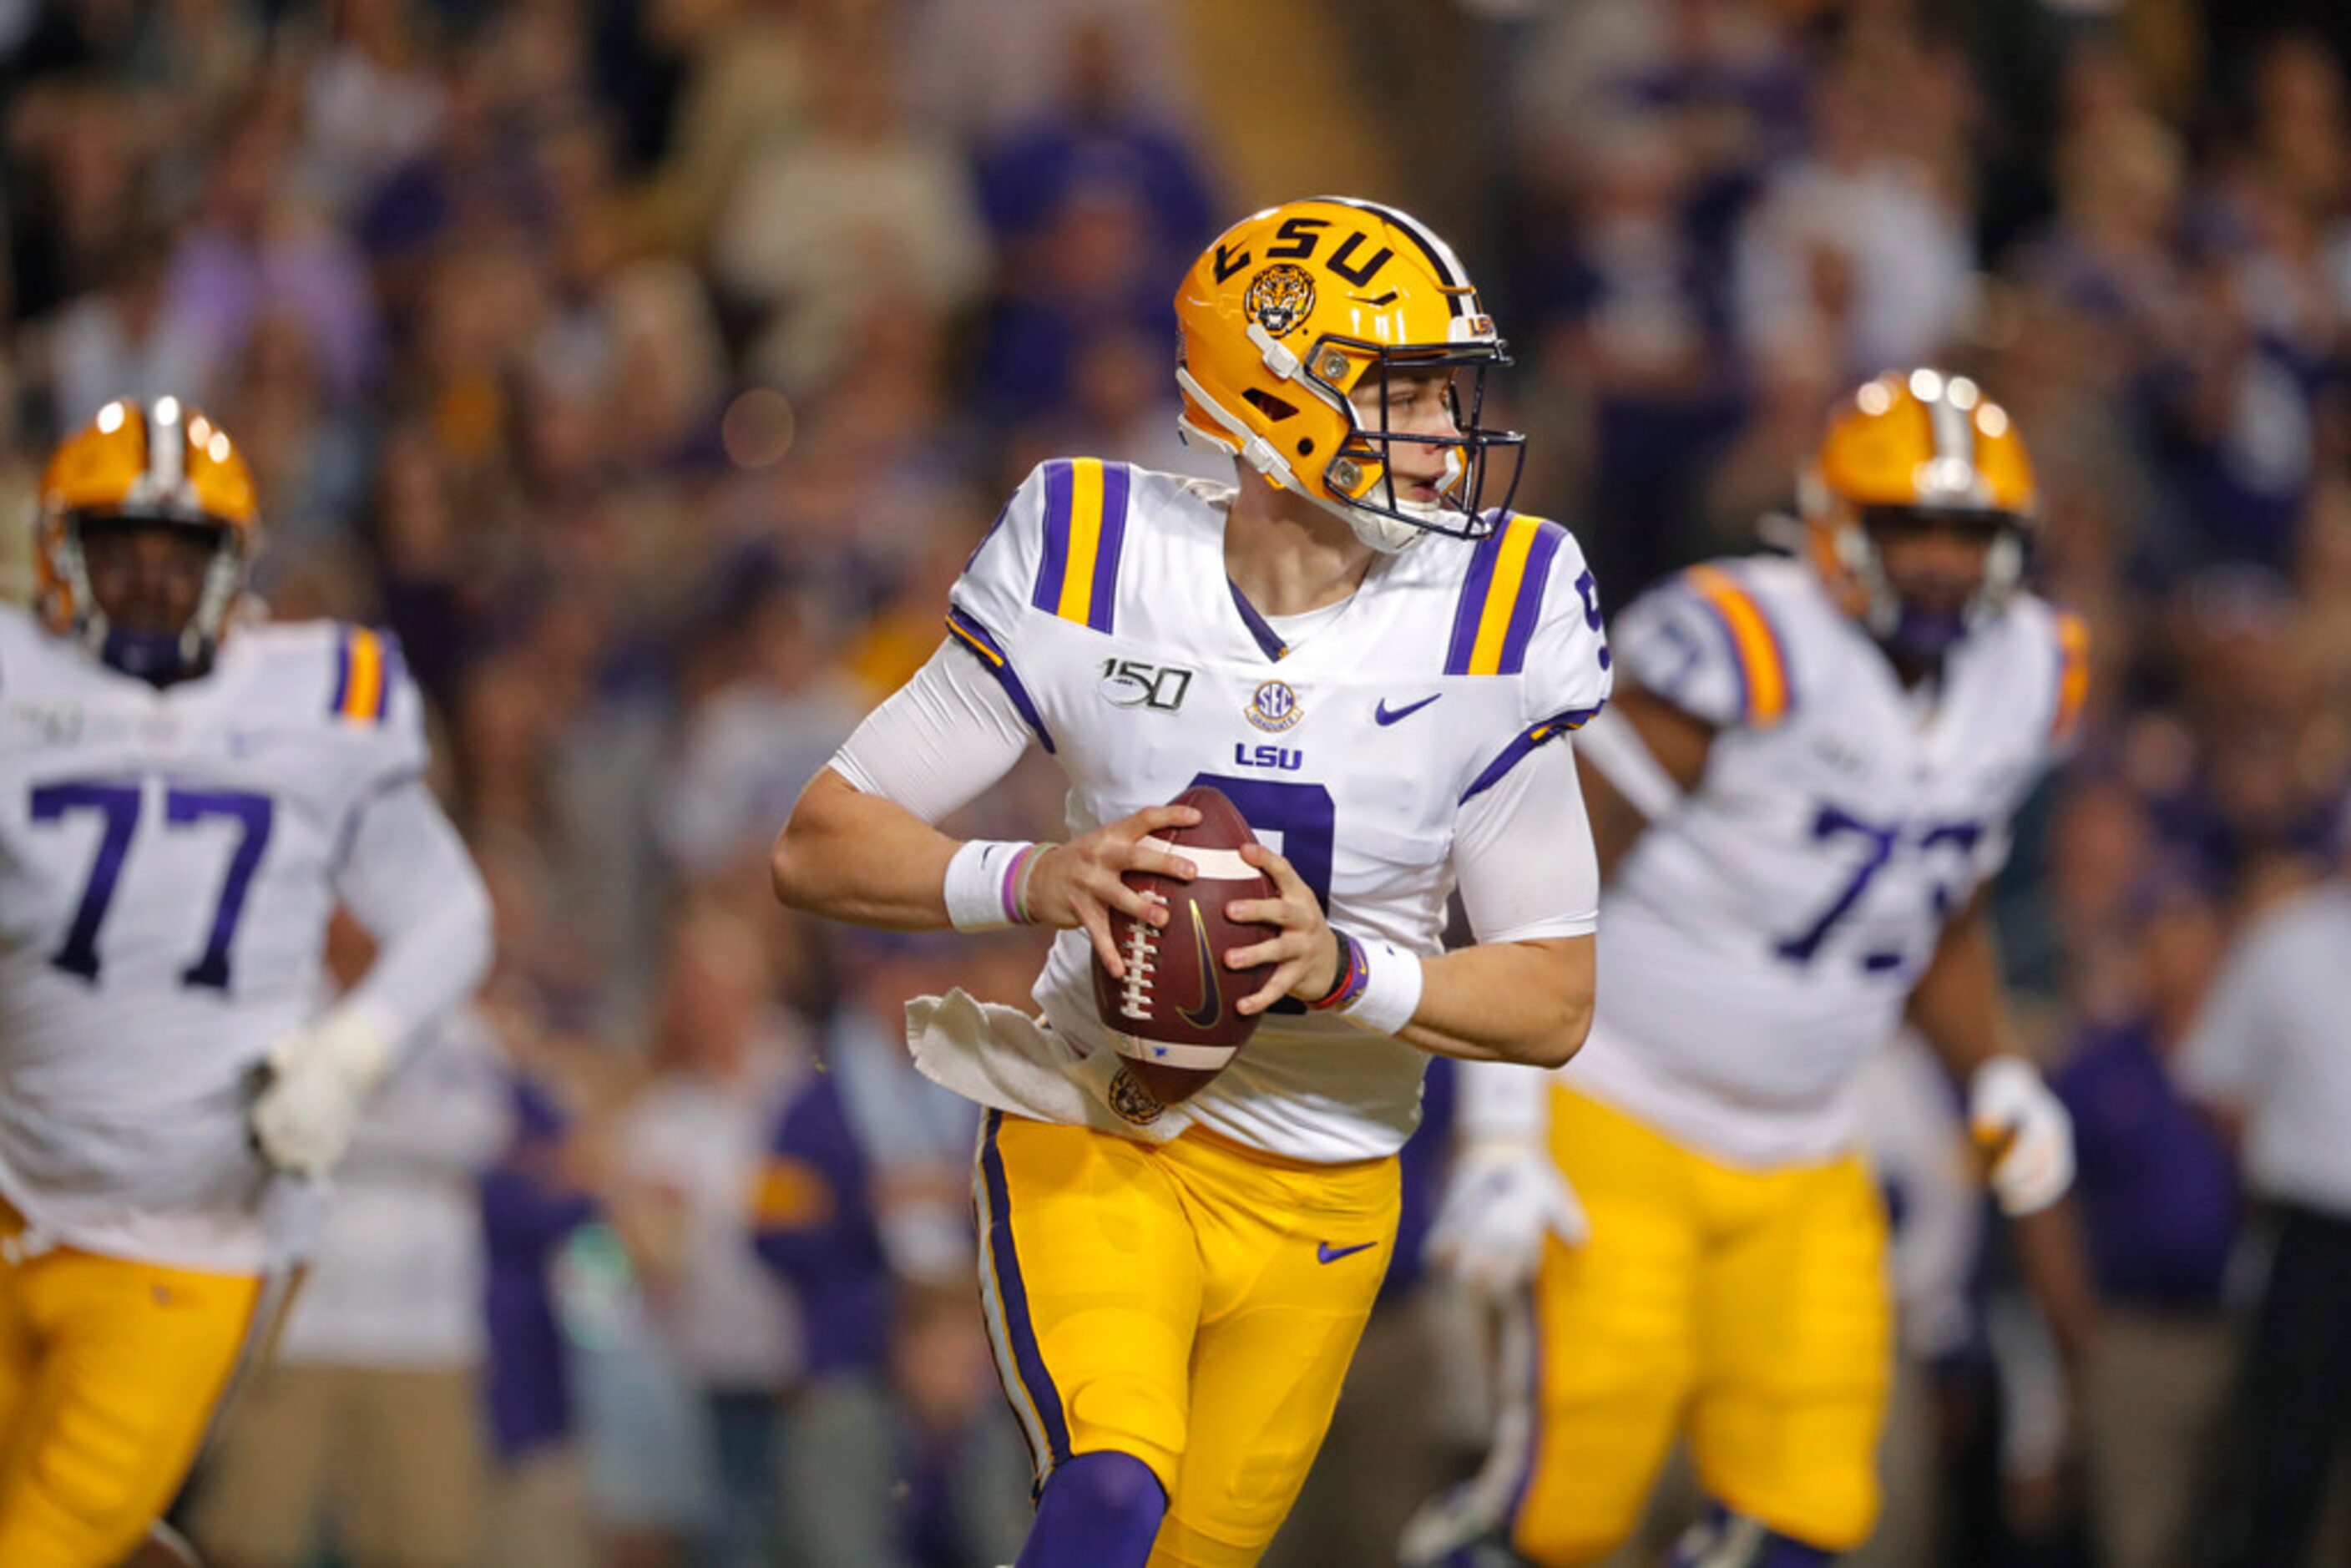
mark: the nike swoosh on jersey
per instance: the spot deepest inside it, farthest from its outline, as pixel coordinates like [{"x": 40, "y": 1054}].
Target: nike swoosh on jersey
[
  {"x": 1384, "y": 715},
  {"x": 1326, "y": 1253},
  {"x": 1212, "y": 1000}
]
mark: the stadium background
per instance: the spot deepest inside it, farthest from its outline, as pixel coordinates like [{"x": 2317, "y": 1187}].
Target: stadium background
[{"x": 650, "y": 367}]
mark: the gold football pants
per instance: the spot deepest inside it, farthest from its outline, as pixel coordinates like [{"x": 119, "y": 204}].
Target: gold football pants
[
  {"x": 1194, "y": 1304},
  {"x": 1749, "y": 1304},
  {"x": 109, "y": 1373}
]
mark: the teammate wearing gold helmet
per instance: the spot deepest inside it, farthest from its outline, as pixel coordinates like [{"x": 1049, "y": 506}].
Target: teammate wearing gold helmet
[
  {"x": 1800, "y": 797},
  {"x": 1906, "y": 461},
  {"x": 180, "y": 811},
  {"x": 147, "y": 523},
  {"x": 1367, "y": 652}
]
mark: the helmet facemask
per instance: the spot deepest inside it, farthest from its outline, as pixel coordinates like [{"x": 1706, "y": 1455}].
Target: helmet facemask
[
  {"x": 157, "y": 656},
  {"x": 1925, "y": 633},
  {"x": 1358, "y": 475},
  {"x": 1362, "y": 472}
]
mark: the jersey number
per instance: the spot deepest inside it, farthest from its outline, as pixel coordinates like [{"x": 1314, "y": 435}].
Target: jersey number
[
  {"x": 1307, "y": 820},
  {"x": 116, "y": 804},
  {"x": 1880, "y": 844}
]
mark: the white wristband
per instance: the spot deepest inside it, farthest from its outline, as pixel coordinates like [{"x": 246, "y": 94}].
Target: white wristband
[
  {"x": 1391, "y": 989},
  {"x": 984, "y": 884}
]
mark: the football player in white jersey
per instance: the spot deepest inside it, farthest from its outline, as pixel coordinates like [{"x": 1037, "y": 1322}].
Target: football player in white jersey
[
  {"x": 1825, "y": 752},
  {"x": 1367, "y": 659},
  {"x": 184, "y": 801}
]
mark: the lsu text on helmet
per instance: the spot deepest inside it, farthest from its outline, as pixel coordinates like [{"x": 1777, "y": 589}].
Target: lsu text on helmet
[
  {"x": 1296, "y": 307},
  {"x": 1916, "y": 448},
  {"x": 154, "y": 465}
]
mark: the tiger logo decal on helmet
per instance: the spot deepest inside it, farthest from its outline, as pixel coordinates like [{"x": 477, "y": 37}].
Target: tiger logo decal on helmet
[
  {"x": 1294, "y": 310},
  {"x": 1279, "y": 299}
]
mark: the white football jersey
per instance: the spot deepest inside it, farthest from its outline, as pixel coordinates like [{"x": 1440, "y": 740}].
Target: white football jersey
[
  {"x": 168, "y": 865},
  {"x": 1100, "y": 601},
  {"x": 1759, "y": 942}
]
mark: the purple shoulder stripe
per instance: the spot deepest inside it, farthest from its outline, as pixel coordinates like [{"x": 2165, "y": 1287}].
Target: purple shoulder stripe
[
  {"x": 1528, "y": 610},
  {"x": 1117, "y": 481},
  {"x": 1523, "y": 746},
  {"x": 1054, "y": 562},
  {"x": 981, "y": 643}
]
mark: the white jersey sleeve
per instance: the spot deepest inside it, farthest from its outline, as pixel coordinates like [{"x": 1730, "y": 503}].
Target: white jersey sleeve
[
  {"x": 401, "y": 749},
  {"x": 408, "y": 880},
  {"x": 1551, "y": 636},
  {"x": 1010, "y": 576},
  {"x": 1702, "y": 641},
  {"x": 1523, "y": 846},
  {"x": 1570, "y": 668},
  {"x": 1523, "y": 854},
  {"x": 943, "y": 737}
]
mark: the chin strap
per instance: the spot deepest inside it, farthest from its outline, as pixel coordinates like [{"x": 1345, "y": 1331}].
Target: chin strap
[
  {"x": 158, "y": 659},
  {"x": 1235, "y": 437},
  {"x": 1386, "y": 534}
]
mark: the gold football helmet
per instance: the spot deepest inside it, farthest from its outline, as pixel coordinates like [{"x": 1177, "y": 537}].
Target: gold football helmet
[
  {"x": 1293, "y": 309},
  {"x": 162, "y": 464},
  {"x": 1920, "y": 446}
]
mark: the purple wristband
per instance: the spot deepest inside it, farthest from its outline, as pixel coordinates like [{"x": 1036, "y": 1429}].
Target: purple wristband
[
  {"x": 1355, "y": 975},
  {"x": 1013, "y": 909}
]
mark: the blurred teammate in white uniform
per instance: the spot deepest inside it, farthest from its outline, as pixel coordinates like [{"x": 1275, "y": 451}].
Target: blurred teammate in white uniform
[
  {"x": 1826, "y": 752},
  {"x": 183, "y": 802}
]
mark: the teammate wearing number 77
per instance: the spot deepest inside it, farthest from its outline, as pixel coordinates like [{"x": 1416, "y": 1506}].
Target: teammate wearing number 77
[
  {"x": 1799, "y": 800},
  {"x": 1367, "y": 657},
  {"x": 186, "y": 795}
]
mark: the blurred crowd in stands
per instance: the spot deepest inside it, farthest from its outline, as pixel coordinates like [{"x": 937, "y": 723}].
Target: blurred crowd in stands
[{"x": 650, "y": 367}]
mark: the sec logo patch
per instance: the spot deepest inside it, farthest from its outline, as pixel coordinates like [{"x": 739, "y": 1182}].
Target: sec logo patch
[{"x": 1273, "y": 707}]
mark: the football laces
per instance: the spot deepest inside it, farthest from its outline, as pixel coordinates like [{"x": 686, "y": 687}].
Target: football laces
[{"x": 1141, "y": 950}]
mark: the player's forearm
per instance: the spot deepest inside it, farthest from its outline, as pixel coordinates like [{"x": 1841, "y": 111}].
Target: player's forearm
[
  {"x": 2052, "y": 1257},
  {"x": 1527, "y": 1002},
  {"x": 412, "y": 886},
  {"x": 862, "y": 859},
  {"x": 1960, "y": 1003}
]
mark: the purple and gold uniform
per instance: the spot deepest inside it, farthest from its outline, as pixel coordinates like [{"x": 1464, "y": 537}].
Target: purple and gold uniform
[
  {"x": 1757, "y": 944},
  {"x": 171, "y": 852}
]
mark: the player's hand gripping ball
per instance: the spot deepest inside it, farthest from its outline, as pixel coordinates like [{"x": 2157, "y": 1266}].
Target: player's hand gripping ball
[{"x": 1176, "y": 1010}]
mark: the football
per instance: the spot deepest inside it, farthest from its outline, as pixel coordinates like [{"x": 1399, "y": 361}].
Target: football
[{"x": 1173, "y": 1013}]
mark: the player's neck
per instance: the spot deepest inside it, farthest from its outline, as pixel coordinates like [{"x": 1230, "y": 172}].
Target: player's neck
[
  {"x": 1287, "y": 555},
  {"x": 1916, "y": 672}
]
